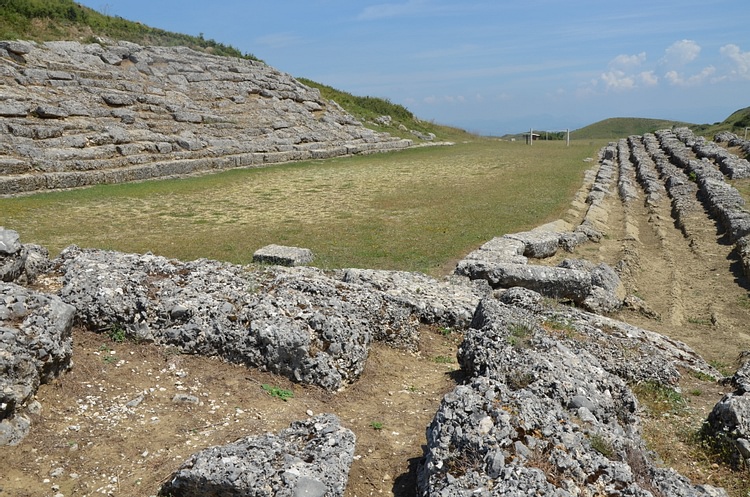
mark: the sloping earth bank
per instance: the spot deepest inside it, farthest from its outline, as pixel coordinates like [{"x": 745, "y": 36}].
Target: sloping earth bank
[{"x": 85, "y": 442}]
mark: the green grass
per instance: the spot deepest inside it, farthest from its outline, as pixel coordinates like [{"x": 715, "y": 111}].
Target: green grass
[
  {"x": 415, "y": 210},
  {"x": 658, "y": 398},
  {"x": 368, "y": 108},
  {"x": 278, "y": 392}
]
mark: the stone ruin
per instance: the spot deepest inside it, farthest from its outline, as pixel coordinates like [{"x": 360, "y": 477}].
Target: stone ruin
[
  {"x": 75, "y": 115},
  {"x": 535, "y": 410},
  {"x": 541, "y": 411}
]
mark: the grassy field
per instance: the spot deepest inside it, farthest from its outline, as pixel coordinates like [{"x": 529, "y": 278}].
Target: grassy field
[{"x": 416, "y": 210}]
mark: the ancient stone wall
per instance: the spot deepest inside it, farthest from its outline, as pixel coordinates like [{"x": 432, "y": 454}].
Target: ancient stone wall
[{"x": 73, "y": 115}]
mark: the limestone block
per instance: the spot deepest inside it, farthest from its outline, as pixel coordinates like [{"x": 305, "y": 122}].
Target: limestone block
[{"x": 283, "y": 255}]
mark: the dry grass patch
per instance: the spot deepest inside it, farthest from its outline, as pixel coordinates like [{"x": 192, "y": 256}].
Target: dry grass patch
[{"x": 418, "y": 209}]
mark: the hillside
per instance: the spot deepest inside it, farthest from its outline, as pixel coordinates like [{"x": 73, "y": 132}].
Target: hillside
[
  {"x": 621, "y": 127},
  {"x": 735, "y": 123}
]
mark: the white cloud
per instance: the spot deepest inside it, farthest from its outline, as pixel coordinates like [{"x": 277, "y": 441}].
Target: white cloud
[
  {"x": 618, "y": 80},
  {"x": 740, "y": 59},
  {"x": 681, "y": 52},
  {"x": 648, "y": 78},
  {"x": 677, "y": 79},
  {"x": 627, "y": 61},
  {"x": 622, "y": 75}
]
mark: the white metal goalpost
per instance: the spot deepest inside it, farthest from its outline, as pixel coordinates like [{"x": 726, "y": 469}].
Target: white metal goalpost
[{"x": 567, "y": 135}]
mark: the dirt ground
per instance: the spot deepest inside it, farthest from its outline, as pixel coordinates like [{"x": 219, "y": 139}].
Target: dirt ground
[{"x": 111, "y": 425}]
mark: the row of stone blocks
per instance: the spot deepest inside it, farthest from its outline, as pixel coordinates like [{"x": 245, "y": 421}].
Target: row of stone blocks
[{"x": 75, "y": 115}]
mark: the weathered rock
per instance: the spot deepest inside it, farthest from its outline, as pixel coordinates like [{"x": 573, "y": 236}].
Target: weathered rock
[
  {"x": 450, "y": 302},
  {"x": 538, "y": 244},
  {"x": 556, "y": 282},
  {"x": 36, "y": 263},
  {"x": 538, "y": 418},
  {"x": 617, "y": 345},
  {"x": 282, "y": 255},
  {"x": 17, "y": 47},
  {"x": 12, "y": 255},
  {"x": 35, "y": 347},
  {"x": 293, "y": 325},
  {"x": 310, "y": 458},
  {"x": 728, "y": 425},
  {"x": 499, "y": 249},
  {"x": 301, "y": 322}
]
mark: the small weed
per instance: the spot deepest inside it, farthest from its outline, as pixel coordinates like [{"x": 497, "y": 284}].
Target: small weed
[
  {"x": 279, "y": 393},
  {"x": 692, "y": 176},
  {"x": 723, "y": 368},
  {"x": 601, "y": 445},
  {"x": 658, "y": 398},
  {"x": 744, "y": 302},
  {"x": 376, "y": 425},
  {"x": 109, "y": 359},
  {"x": 441, "y": 359},
  {"x": 516, "y": 380},
  {"x": 520, "y": 335},
  {"x": 699, "y": 321},
  {"x": 464, "y": 461},
  {"x": 559, "y": 326},
  {"x": 445, "y": 331},
  {"x": 696, "y": 392},
  {"x": 699, "y": 375},
  {"x": 116, "y": 333}
]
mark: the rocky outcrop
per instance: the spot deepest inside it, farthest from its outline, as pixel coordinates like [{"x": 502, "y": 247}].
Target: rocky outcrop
[
  {"x": 310, "y": 458},
  {"x": 538, "y": 417},
  {"x": 301, "y": 322},
  {"x": 20, "y": 262},
  {"x": 733, "y": 141},
  {"x": 35, "y": 348},
  {"x": 74, "y": 115}
]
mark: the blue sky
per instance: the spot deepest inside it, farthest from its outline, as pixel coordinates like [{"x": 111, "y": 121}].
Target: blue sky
[{"x": 492, "y": 66}]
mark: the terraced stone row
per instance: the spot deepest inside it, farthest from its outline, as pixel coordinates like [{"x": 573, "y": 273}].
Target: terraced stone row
[
  {"x": 680, "y": 189},
  {"x": 74, "y": 115},
  {"x": 626, "y": 185},
  {"x": 723, "y": 202},
  {"x": 732, "y": 166},
  {"x": 645, "y": 171},
  {"x": 733, "y": 141},
  {"x": 689, "y": 180}
]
